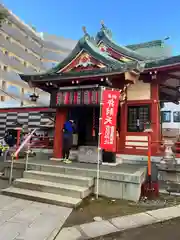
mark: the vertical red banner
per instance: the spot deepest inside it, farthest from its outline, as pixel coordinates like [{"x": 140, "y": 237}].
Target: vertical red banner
[
  {"x": 66, "y": 98},
  {"x": 110, "y": 100}
]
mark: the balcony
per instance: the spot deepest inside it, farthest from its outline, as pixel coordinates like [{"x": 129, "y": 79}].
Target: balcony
[
  {"x": 25, "y": 28},
  {"x": 4, "y": 58},
  {"x": 12, "y": 77},
  {"x": 17, "y": 50},
  {"x": 16, "y": 34},
  {"x": 15, "y": 63}
]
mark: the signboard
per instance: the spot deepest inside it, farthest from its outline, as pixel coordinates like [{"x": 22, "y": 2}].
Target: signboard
[
  {"x": 78, "y": 97},
  {"x": 110, "y": 100}
]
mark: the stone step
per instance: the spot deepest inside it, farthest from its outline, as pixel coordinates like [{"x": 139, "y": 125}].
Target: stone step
[
  {"x": 67, "y": 169},
  {"x": 173, "y": 187},
  {"x": 51, "y": 187},
  {"x": 60, "y": 178},
  {"x": 42, "y": 197}
]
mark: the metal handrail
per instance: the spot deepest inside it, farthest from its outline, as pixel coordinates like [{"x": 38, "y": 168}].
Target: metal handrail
[{"x": 15, "y": 154}]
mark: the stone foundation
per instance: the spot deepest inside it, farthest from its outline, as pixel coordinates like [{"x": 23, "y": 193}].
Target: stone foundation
[{"x": 114, "y": 182}]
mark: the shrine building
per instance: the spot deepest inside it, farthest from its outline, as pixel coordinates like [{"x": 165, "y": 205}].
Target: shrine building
[{"x": 144, "y": 83}]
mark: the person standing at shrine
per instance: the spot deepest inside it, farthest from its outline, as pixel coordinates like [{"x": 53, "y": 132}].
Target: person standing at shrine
[{"x": 68, "y": 131}]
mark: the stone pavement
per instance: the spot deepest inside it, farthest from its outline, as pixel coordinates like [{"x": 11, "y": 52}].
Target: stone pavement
[
  {"x": 118, "y": 224},
  {"x": 158, "y": 231},
  {"x": 27, "y": 220}
]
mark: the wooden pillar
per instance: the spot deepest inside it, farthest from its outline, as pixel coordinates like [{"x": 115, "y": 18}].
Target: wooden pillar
[
  {"x": 61, "y": 114},
  {"x": 155, "y": 118},
  {"x": 123, "y": 127}
]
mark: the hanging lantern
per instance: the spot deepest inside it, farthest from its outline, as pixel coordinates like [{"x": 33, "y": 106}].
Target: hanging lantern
[{"x": 34, "y": 97}]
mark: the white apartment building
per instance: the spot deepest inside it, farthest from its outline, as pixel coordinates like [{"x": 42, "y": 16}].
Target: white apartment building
[{"x": 23, "y": 50}]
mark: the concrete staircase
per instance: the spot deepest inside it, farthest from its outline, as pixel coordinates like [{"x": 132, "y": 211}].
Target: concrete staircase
[{"x": 53, "y": 188}]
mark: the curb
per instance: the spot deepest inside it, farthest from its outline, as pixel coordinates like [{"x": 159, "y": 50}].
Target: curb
[{"x": 118, "y": 224}]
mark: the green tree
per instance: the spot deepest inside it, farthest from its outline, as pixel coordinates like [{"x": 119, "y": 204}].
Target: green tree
[{"x": 3, "y": 16}]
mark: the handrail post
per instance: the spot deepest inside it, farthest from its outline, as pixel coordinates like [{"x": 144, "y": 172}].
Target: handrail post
[
  {"x": 17, "y": 152},
  {"x": 27, "y": 158},
  {"x": 149, "y": 159},
  {"x": 11, "y": 169}
]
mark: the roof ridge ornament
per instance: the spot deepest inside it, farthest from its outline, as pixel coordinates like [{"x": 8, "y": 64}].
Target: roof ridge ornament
[
  {"x": 102, "y": 24},
  {"x": 86, "y": 35},
  {"x": 105, "y": 29},
  {"x": 84, "y": 30}
]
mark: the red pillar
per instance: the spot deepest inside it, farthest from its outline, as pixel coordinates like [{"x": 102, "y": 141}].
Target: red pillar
[
  {"x": 155, "y": 118},
  {"x": 61, "y": 114}
]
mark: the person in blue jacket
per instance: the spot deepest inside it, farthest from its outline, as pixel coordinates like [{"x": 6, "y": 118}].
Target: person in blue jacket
[{"x": 68, "y": 131}]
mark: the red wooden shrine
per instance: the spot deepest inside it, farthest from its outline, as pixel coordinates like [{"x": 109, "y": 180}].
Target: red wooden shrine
[{"x": 145, "y": 83}]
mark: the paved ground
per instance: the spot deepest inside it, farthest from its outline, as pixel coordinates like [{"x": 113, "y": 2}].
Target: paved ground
[
  {"x": 27, "y": 220},
  {"x": 166, "y": 231},
  {"x": 121, "y": 224}
]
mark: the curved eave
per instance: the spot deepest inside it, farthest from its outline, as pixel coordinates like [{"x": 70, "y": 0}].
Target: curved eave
[
  {"x": 164, "y": 64},
  {"x": 103, "y": 37},
  {"x": 95, "y": 52},
  {"x": 85, "y": 44},
  {"x": 149, "y": 44},
  {"x": 110, "y": 70}
]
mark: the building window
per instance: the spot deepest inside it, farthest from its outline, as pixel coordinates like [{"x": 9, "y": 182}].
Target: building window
[
  {"x": 166, "y": 116},
  {"x": 2, "y": 98},
  {"x": 8, "y": 38},
  {"x": 3, "y": 85},
  {"x": 9, "y": 23},
  {"x": 138, "y": 117},
  {"x": 5, "y": 68},
  {"x": 176, "y": 116},
  {"x": 3, "y": 89},
  {"x": 6, "y": 53}
]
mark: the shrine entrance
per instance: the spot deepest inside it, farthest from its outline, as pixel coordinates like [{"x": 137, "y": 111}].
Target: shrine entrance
[{"x": 86, "y": 124}]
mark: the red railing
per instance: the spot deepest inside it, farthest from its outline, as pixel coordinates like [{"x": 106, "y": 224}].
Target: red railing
[{"x": 41, "y": 142}]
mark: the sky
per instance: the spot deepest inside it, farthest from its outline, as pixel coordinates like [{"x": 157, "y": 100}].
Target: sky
[{"x": 131, "y": 21}]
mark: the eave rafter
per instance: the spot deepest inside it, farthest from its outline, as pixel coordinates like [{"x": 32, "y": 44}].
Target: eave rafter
[
  {"x": 173, "y": 76},
  {"x": 168, "y": 87}
]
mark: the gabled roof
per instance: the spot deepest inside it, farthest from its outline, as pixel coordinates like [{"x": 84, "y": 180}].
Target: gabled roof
[
  {"x": 105, "y": 35},
  {"x": 150, "y": 44},
  {"x": 159, "y": 63},
  {"x": 88, "y": 45},
  {"x": 110, "y": 65}
]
